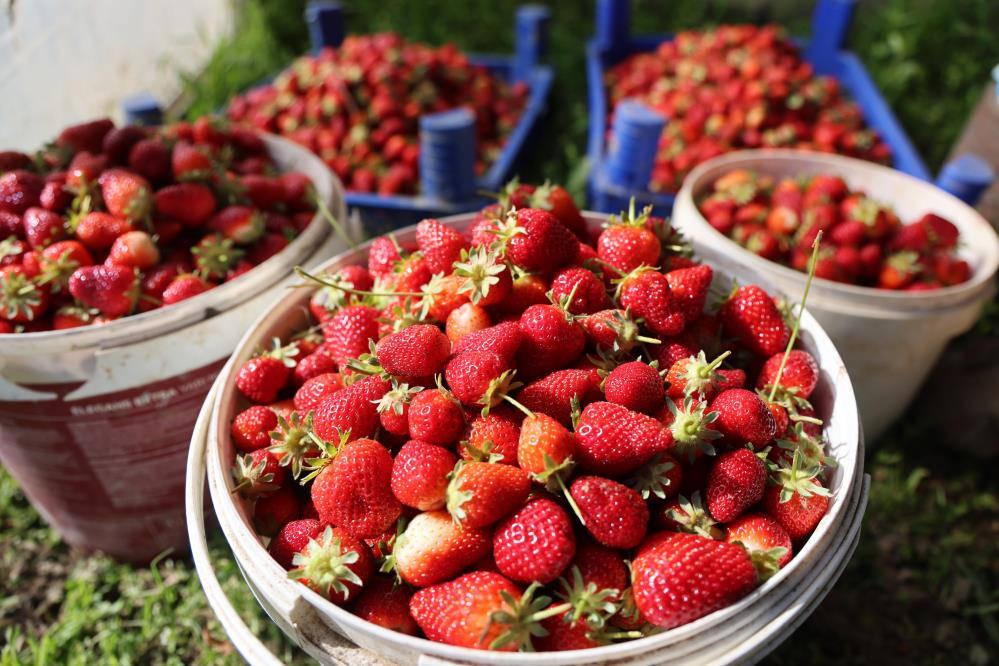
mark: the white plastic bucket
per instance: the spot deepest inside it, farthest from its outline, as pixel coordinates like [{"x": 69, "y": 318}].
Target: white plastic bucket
[
  {"x": 320, "y": 627},
  {"x": 890, "y": 340},
  {"x": 95, "y": 422}
]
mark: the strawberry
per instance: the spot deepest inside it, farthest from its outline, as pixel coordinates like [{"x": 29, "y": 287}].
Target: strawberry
[
  {"x": 479, "y": 379},
  {"x": 150, "y": 158},
  {"x": 293, "y": 537},
  {"x": 553, "y": 394},
  {"x": 736, "y": 482},
  {"x": 262, "y": 191},
  {"x": 126, "y": 194},
  {"x": 111, "y": 289},
  {"x": 88, "y": 136},
  {"x": 751, "y": 317},
  {"x": 527, "y": 290},
  {"x": 626, "y": 243},
  {"x": 503, "y": 339},
  {"x": 678, "y": 578},
  {"x": 440, "y": 245},
  {"x": 689, "y": 289},
  {"x": 386, "y": 604},
  {"x": 383, "y": 256},
  {"x": 581, "y": 291},
  {"x": 797, "y": 500},
  {"x": 349, "y": 331},
  {"x": 264, "y": 376},
  {"x": 190, "y": 162},
  {"x": 252, "y": 427},
  {"x": 19, "y": 191},
  {"x": 313, "y": 364},
  {"x": 662, "y": 476},
  {"x": 694, "y": 376},
  {"x": 466, "y": 319},
  {"x": 134, "y": 249},
  {"x": 601, "y": 567},
  {"x": 183, "y": 287},
  {"x": 42, "y": 227},
  {"x": 191, "y": 204},
  {"x": 564, "y": 633},
  {"x": 487, "y": 280},
  {"x": 536, "y": 241},
  {"x": 68, "y": 316},
  {"x": 767, "y": 543},
  {"x": 494, "y": 436},
  {"x": 84, "y": 170},
  {"x": 443, "y": 295},
  {"x": 240, "y": 224},
  {"x": 559, "y": 202},
  {"x": 613, "y": 330},
  {"x": 60, "y": 260},
  {"x": 434, "y": 548},
  {"x": 613, "y": 440},
  {"x": 266, "y": 247},
  {"x": 335, "y": 564},
  {"x": 637, "y": 386},
  {"x": 420, "y": 475},
  {"x": 316, "y": 389},
  {"x": 799, "y": 377},
  {"x": 11, "y": 160},
  {"x": 899, "y": 270},
  {"x": 544, "y": 446},
  {"x": 743, "y": 417},
  {"x": 393, "y": 408},
  {"x": 119, "y": 141},
  {"x": 552, "y": 339},
  {"x": 353, "y": 490},
  {"x": 435, "y": 417},
  {"x": 481, "y": 493},
  {"x": 275, "y": 509},
  {"x": 414, "y": 353},
  {"x": 646, "y": 293},
  {"x": 535, "y": 543},
  {"x": 257, "y": 473},
  {"x": 614, "y": 514},
  {"x": 98, "y": 231},
  {"x": 21, "y": 299},
  {"x": 351, "y": 412}
]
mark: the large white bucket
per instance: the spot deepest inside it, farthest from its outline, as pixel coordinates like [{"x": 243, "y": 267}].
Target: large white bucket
[
  {"x": 95, "y": 422},
  {"x": 890, "y": 340},
  {"x": 320, "y": 627}
]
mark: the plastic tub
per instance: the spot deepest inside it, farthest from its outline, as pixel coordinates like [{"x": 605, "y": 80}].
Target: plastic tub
[
  {"x": 890, "y": 340},
  {"x": 95, "y": 422},
  {"x": 320, "y": 627}
]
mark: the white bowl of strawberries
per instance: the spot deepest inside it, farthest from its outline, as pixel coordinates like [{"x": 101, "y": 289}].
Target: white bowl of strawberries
[{"x": 510, "y": 414}]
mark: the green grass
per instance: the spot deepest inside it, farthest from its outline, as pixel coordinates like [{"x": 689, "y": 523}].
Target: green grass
[{"x": 922, "y": 587}]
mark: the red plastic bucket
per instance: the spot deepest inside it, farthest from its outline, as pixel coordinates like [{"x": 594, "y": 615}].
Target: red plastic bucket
[{"x": 95, "y": 423}]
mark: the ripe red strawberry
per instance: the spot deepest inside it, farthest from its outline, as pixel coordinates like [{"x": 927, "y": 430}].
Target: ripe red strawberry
[
  {"x": 263, "y": 191},
  {"x": 689, "y": 288},
  {"x": 679, "y": 577},
  {"x": 503, "y": 339},
  {"x": 646, "y": 293},
  {"x": 527, "y": 290},
  {"x": 353, "y": 409},
  {"x": 440, "y": 245},
  {"x": 190, "y": 162},
  {"x": 444, "y": 295},
  {"x": 386, "y": 604},
  {"x": 601, "y": 567},
  {"x": 68, "y": 316},
  {"x": 481, "y": 493},
  {"x": 191, "y": 204},
  {"x": 751, "y": 317},
  {"x": 535, "y": 543},
  {"x": 21, "y": 299},
  {"x": 258, "y": 473},
  {"x": 553, "y": 394},
  {"x": 316, "y": 389},
  {"x": 612, "y": 330},
  {"x": 465, "y": 320},
  {"x": 241, "y": 224},
  {"x": 559, "y": 202},
  {"x": 736, "y": 482},
  {"x": 313, "y": 364},
  {"x": 263, "y": 377},
  {"x": 694, "y": 376},
  {"x": 335, "y": 564},
  {"x": 420, "y": 475},
  {"x": 627, "y": 244},
  {"x": 588, "y": 293},
  {"x": 88, "y": 136},
  {"x": 487, "y": 280},
  {"x": 536, "y": 241},
  {"x": 382, "y": 256},
  {"x": 150, "y": 158},
  {"x": 19, "y": 191},
  {"x": 496, "y": 434},
  {"x": 637, "y": 386},
  {"x": 349, "y": 331},
  {"x": 479, "y": 379},
  {"x": 545, "y": 447},
  {"x": 612, "y": 440},
  {"x": 393, "y": 409},
  {"x": 111, "y": 289},
  {"x": 275, "y": 509},
  {"x": 251, "y": 429},
  {"x": 353, "y": 491},
  {"x": 414, "y": 353},
  {"x": 743, "y": 417},
  {"x": 614, "y": 514},
  {"x": 464, "y": 611},
  {"x": 126, "y": 194},
  {"x": 42, "y": 227},
  {"x": 119, "y": 141},
  {"x": 434, "y": 548},
  {"x": 435, "y": 417},
  {"x": 564, "y": 633},
  {"x": 767, "y": 543},
  {"x": 797, "y": 500},
  {"x": 293, "y": 537},
  {"x": 184, "y": 287},
  {"x": 134, "y": 249},
  {"x": 800, "y": 375},
  {"x": 98, "y": 231},
  {"x": 551, "y": 340}
]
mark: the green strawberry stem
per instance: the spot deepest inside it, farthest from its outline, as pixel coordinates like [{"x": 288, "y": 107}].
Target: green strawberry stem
[
  {"x": 647, "y": 339},
  {"x": 622, "y": 635},
  {"x": 350, "y": 290},
  {"x": 797, "y": 320},
  {"x": 328, "y": 216},
  {"x": 519, "y": 406},
  {"x": 568, "y": 498}
]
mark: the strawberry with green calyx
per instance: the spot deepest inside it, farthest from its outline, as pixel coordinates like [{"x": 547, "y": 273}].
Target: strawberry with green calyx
[
  {"x": 689, "y": 515},
  {"x": 579, "y": 291},
  {"x": 386, "y": 604},
  {"x": 545, "y": 449},
  {"x": 264, "y": 376},
  {"x": 214, "y": 256},
  {"x": 294, "y": 442},
  {"x": 635, "y": 385},
  {"x": 614, "y": 331},
  {"x": 433, "y": 548},
  {"x": 536, "y": 241},
  {"x": 416, "y": 353},
  {"x": 393, "y": 408},
  {"x": 111, "y": 289},
  {"x": 257, "y": 473},
  {"x": 420, "y": 475},
  {"x": 627, "y": 243},
  {"x": 480, "y": 493},
  {"x": 291, "y": 538},
  {"x": 694, "y": 377},
  {"x": 251, "y": 429},
  {"x": 336, "y": 565},
  {"x": 646, "y": 293},
  {"x": 553, "y": 394},
  {"x": 494, "y": 437},
  {"x": 736, "y": 482},
  {"x": 660, "y": 477},
  {"x": 481, "y": 379},
  {"x": 487, "y": 280},
  {"x": 587, "y": 602},
  {"x": 767, "y": 543},
  {"x": 59, "y": 261},
  {"x": 440, "y": 296},
  {"x": 126, "y": 195},
  {"x": 436, "y": 416},
  {"x": 900, "y": 270},
  {"x": 612, "y": 440},
  {"x": 559, "y": 202},
  {"x": 552, "y": 338},
  {"x": 328, "y": 281},
  {"x": 534, "y": 543},
  {"x": 810, "y": 447},
  {"x": 21, "y": 299},
  {"x": 690, "y": 424},
  {"x": 440, "y": 245}
]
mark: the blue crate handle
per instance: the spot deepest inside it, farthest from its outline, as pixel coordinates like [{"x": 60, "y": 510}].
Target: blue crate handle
[
  {"x": 613, "y": 25},
  {"x": 447, "y": 155},
  {"x": 327, "y": 24},
  {"x": 635, "y": 138},
  {"x": 531, "y": 39},
  {"x": 142, "y": 109},
  {"x": 966, "y": 177},
  {"x": 830, "y": 23}
]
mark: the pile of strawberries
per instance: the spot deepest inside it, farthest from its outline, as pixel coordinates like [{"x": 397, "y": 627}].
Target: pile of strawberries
[
  {"x": 531, "y": 435},
  {"x": 738, "y": 86},
  {"x": 864, "y": 242},
  {"x": 109, "y": 221},
  {"x": 358, "y": 107}
]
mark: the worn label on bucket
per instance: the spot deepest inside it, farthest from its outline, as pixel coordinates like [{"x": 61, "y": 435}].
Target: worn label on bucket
[{"x": 108, "y": 471}]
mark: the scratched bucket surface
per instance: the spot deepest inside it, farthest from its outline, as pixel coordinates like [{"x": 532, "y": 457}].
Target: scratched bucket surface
[{"x": 95, "y": 422}]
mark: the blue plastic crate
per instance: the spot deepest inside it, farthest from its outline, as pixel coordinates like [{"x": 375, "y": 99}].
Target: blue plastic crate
[{"x": 830, "y": 23}]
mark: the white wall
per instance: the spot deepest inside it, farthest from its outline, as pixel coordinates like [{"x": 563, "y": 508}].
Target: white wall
[{"x": 64, "y": 61}]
